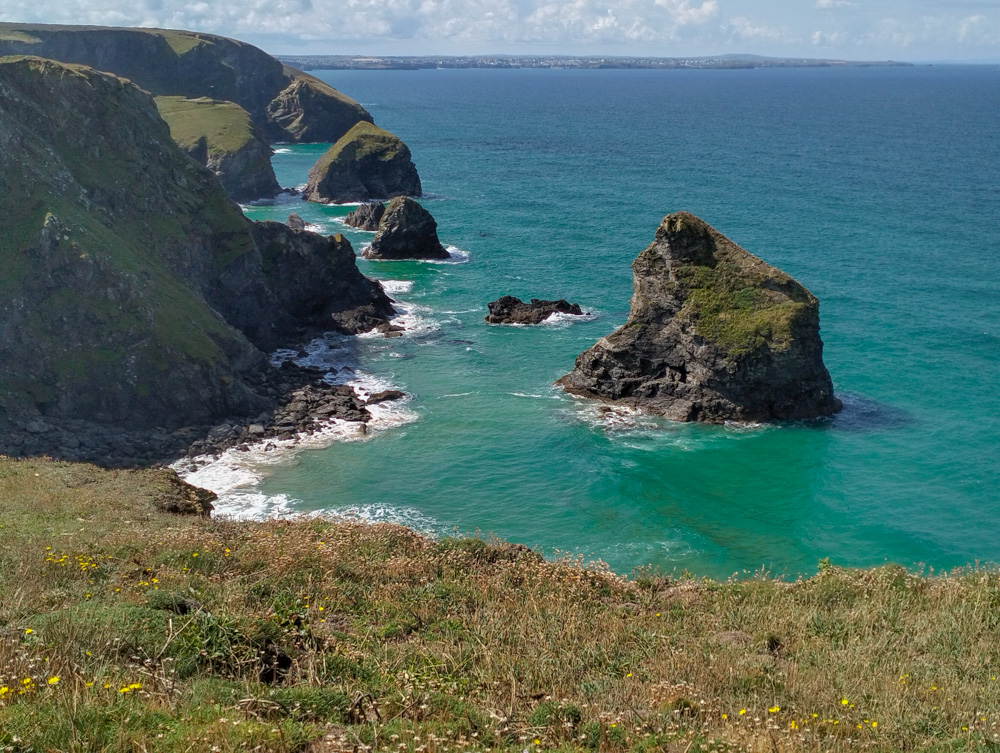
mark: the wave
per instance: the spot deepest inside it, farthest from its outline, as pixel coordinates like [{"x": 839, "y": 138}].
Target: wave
[
  {"x": 236, "y": 474},
  {"x": 395, "y": 287},
  {"x": 283, "y": 150},
  {"x": 558, "y": 317}
]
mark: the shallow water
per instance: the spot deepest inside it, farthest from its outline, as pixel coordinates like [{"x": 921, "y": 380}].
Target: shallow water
[{"x": 876, "y": 188}]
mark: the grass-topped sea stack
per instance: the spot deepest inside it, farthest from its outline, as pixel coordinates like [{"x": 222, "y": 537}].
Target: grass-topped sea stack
[
  {"x": 366, "y": 163},
  {"x": 714, "y": 334}
]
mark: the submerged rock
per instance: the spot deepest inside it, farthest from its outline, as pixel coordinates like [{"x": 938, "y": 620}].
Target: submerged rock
[
  {"x": 365, "y": 163},
  {"x": 510, "y": 310},
  {"x": 713, "y": 334},
  {"x": 367, "y": 216},
  {"x": 407, "y": 231}
]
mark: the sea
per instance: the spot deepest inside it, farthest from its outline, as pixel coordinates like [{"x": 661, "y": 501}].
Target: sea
[{"x": 877, "y": 188}]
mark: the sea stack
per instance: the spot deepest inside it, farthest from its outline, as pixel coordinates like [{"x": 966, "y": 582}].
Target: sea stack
[
  {"x": 406, "y": 231},
  {"x": 510, "y": 310},
  {"x": 714, "y": 334},
  {"x": 366, "y": 217},
  {"x": 366, "y": 163}
]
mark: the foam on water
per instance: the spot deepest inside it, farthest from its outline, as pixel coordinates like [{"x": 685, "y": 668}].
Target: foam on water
[
  {"x": 396, "y": 287},
  {"x": 236, "y": 474},
  {"x": 559, "y": 318}
]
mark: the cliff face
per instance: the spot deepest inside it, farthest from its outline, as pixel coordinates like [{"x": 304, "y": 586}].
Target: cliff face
[
  {"x": 133, "y": 291},
  {"x": 285, "y": 104},
  {"x": 221, "y": 136},
  {"x": 713, "y": 334},
  {"x": 365, "y": 163}
]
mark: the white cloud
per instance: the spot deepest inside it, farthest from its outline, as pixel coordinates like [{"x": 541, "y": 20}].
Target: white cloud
[
  {"x": 829, "y": 4},
  {"x": 744, "y": 29}
]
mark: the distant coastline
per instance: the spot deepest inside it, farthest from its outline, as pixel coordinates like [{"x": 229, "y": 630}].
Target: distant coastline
[{"x": 397, "y": 63}]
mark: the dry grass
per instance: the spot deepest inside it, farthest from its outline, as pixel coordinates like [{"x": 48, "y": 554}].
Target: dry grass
[{"x": 170, "y": 633}]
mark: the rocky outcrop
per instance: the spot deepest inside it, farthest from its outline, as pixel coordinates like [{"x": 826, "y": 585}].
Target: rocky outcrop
[
  {"x": 714, "y": 334},
  {"x": 284, "y": 104},
  {"x": 222, "y": 136},
  {"x": 510, "y": 310},
  {"x": 365, "y": 163},
  {"x": 135, "y": 294},
  {"x": 309, "y": 110},
  {"x": 406, "y": 231},
  {"x": 366, "y": 217},
  {"x": 316, "y": 280},
  {"x": 295, "y": 222}
]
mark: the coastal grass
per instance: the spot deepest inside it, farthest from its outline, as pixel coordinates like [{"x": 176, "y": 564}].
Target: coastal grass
[
  {"x": 738, "y": 313},
  {"x": 225, "y": 126},
  {"x": 363, "y": 140},
  {"x": 126, "y": 629}
]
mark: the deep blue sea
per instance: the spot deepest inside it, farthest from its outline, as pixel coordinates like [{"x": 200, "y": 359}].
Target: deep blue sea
[{"x": 877, "y": 188}]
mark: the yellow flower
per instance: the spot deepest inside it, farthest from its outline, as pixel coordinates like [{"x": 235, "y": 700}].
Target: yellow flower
[
  {"x": 537, "y": 741},
  {"x": 874, "y": 725},
  {"x": 53, "y": 680},
  {"x": 774, "y": 709},
  {"x": 629, "y": 674},
  {"x": 844, "y": 702},
  {"x": 28, "y": 631},
  {"x": 724, "y": 716},
  {"x": 793, "y": 725},
  {"x": 743, "y": 712}
]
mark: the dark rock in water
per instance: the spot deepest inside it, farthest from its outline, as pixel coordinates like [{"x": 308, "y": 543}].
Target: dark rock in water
[
  {"x": 510, "y": 310},
  {"x": 713, "y": 334},
  {"x": 317, "y": 280},
  {"x": 295, "y": 222},
  {"x": 365, "y": 163},
  {"x": 385, "y": 396},
  {"x": 367, "y": 216},
  {"x": 407, "y": 231}
]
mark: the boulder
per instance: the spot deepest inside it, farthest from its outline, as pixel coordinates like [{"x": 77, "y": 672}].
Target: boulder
[
  {"x": 714, "y": 334},
  {"x": 365, "y": 163},
  {"x": 407, "y": 231},
  {"x": 295, "y": 222},
  {"x": 510, "y": 310},
  {"x": 367, "y": 216}
]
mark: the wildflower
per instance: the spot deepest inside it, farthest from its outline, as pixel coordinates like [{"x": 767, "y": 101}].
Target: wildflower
[
  {"x": 4, "y": 690},
  {"x": 793, "y": 725},
  {"x": 537, "y": 741},
  {"x": 195, "y": 554},
  {"x": 774, "y": 709},
  {"x": 629, "y": 674},
  {"x": 743, "y": 712},
  {"x": 724, "y": 717},
  {"x": 844, "y": 702},
  {"x": 53, "y": 681},
  {"x": 28, "y": 631},
  {"x": 874, "y": 725}
]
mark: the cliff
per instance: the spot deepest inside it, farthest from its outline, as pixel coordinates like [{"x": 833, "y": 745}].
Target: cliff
[
  {"x": 713, "y": 334},
  {"x": 284, "y": 104},
  {"x": 365, "y": 163},
  {"x": 221, "y": 136},
  {"x": 134, "y": 292}
]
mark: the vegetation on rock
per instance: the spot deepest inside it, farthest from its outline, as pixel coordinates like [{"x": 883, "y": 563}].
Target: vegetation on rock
[{"x": 365, "y": 163}]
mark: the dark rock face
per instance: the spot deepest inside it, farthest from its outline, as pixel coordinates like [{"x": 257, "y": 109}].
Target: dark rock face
[
  {"x": 295, "y": 222},
  {"x": 713, "y": 334},
  {"x": 510, "y": 310},
  {"x": 317, "y": 282},
  {"x": 365, "y": 163},
  {"x": 178, "y": 497},
  {"x": 367, "y": 216},
  {"x": 247, "y": 173},
  {"x": 285, "y": 104},
  {"x": 407, "y": 231},
  {"x": 310, "y": 110},
  {"x": 136, "y": 296}
]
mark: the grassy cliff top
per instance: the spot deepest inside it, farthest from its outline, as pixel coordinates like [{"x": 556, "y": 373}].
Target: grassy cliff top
[
  {"x": 124, "y": 628},
  {"x": 180, "y": 41},
  {"x": 734, "y": 298},
  {"x": 363, "y": 140},
  {"x": 225, "y": 126}
]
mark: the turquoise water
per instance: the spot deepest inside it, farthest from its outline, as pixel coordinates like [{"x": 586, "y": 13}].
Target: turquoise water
[{"x": 876, "y": 188}]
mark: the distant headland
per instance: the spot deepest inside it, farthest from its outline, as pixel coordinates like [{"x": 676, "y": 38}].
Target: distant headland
[{"x": 402, "y": 63}]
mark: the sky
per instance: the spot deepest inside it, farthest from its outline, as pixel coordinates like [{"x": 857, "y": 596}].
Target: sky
[{"x": 911, "y": 30}]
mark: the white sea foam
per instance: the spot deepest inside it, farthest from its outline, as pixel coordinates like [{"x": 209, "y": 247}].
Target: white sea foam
[
  {"x": 236, "y": 474},
  {"x": 396, "y": 287},
  {"x": 558, "y": 317},
  {"x": 282, "y": 150},
  {"x": 313, "y": 227},
  {"x": 536, "y": 397}
]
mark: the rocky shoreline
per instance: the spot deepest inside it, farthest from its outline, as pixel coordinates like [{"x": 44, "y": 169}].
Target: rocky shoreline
[{"x": 305, "y": 405}]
